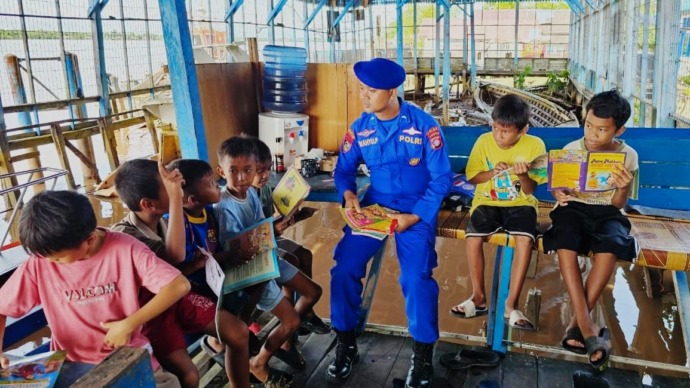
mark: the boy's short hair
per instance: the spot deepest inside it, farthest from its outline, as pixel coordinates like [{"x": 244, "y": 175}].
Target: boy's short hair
[
  {"x": 511, "y": 109},
  {"x": 192, "y": 171},
  {"x": 137, "y": 179},
  {"x": 263, "y": 153},
  {"x": 610, "y": 105},
  {"x": 53, "y": 221},
  {"x": 237, "y": 146}
]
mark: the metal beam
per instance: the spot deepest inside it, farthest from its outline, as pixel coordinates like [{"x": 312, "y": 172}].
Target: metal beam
[
  {"x": 96, "y": 4},
  {"x": 446, "y": 65},
  {"x": 399, "y": 49},
  {"x": 473, "y": 53},
  {"x": 344, "y": 11},
  {"x": 234, "y": 6},
  {"x": 99, "y": 56},
  {"x": 574, "y": 6},
  {"x": 313, "y": 15},
  {"x": 275, "y": 11},
  {"x": 183, "y": 79},
  {"x": 3, "y": 127},
  {"x": 591, "y": 4}
]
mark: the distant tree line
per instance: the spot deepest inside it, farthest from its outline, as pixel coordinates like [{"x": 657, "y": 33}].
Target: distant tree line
[{"x": 17, "y": 34}]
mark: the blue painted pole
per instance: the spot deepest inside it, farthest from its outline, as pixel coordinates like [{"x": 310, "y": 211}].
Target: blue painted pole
[
  {"x": 499, "y": 301},
  {"x": 332, "y": 33},
  {"x": 399, "y": 33},
  {"x": 183, "y": 79},
  {"x": 473, "y": 71},
  {"x": 446, "y": 64},
  {"x": 230, "y": 21},
  {"x": 437, "y": 58},
  {"x": 74, "y": 85},
  {"x": 272, "y": 25},
  {"x": 491, "y": 324},
  {"x": 517, "y": 25},
  {"x": 17, "y": 87},
  {"x": 306, "y": 32},
  {"x": 99, "y": 56},
  {"x": 3, "y": 126}
]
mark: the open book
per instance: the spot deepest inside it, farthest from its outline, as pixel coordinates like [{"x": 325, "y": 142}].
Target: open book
[
  {"x": 256, "y": 241},
  {"x": 373, "y": 221},
  {"x": 582, "y": 170},
  {"x": 38, "y": 371},
  {"x": 290, "y": 192}
]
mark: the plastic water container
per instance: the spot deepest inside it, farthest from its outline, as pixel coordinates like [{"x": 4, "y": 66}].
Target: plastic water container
[{"x": 285, "y": 86}]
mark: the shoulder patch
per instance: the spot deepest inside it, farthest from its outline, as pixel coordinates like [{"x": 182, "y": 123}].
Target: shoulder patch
[
  {"x": 435, "y": 139},
  {"x": 348, "y": 140}
]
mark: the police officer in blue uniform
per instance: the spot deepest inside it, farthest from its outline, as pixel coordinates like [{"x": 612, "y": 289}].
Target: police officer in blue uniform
[{"x": 404, "y": 150}]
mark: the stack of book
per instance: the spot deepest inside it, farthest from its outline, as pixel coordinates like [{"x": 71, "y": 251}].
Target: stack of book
[{"x": 373, "y": 221}]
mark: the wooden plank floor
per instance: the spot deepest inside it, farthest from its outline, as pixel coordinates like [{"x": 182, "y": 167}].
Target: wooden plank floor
[{"x": 384, "y": 360}]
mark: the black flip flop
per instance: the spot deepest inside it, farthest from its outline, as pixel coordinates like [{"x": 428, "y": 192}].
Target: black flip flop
[
  {"x": 575, "y": 334},
  {"x": 600, "y": 343},
  {"x": 467, "y": 358}
]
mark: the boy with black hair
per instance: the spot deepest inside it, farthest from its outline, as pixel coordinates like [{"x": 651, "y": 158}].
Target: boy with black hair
[
  {"x": 150, "y": 191},
  {"x": 585, "y": 222},
  {"x": 239, "y": 209},
  {"x": 87, "y": 279},
  {"x": 498, "y": 165},
  {"x": 290, "y": 251}
]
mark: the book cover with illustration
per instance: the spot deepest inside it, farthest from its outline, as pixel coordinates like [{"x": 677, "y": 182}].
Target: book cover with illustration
[
  {"x": 290, "y": 192},
  {"x": 373, "y": 221},
  {"x": 38, "y": 371},
  {"x": 257, "y": 242},
  {"x": 582, "y": 171}
]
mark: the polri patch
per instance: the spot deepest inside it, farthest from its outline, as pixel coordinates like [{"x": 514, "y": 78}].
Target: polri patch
[
  {"x": 349, "y": 139},
  {"x": 414, "y": 162},
  {"x": 411, "y": 131},
  {"x": 435, "y": 139}
]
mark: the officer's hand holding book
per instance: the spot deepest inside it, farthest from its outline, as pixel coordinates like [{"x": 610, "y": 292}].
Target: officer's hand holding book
[{"x": 351, "y": 201}]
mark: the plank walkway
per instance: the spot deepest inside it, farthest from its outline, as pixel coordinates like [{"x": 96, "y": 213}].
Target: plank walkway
[{"x": 384, "y": 360}]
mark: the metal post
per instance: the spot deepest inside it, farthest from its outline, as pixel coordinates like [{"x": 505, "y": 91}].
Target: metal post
[
  {"x": 231, "y": 23},
  {"x": 515, "y": 46},
  {"x": 399, "y": 33},
  {"x": 306, "y": 31},
  {"x": 645, "y": 66},
  {"x": 332, "y": 32},
  {"x": 126, "y": 55},
  {"x": 473, "y": 69},
  {"x": 630, "y": 50},
  {"x": 437, "y": 58},
  {"x": 464, "y": 37},
  {"x": 446, "y": 64},
  {"x": 599, "y": 67},
  {"x": 272, "y": 25},
  {"x": 371, "y": 31},
  {"x": 27, "y": 58},
  {"x": 78, "y": 111},
  {"x": 414, "y": 50},
  {"x": 183, "y": 79},
  {"x": 99, "y": 56},
  {"x": 58, "y": 12},
  {"x": 17, "y": 87},
  {"x": 148, "y": 46}
]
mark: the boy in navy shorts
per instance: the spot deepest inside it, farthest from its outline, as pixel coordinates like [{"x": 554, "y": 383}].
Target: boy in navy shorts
[
  {"x": 585, "y": 222},
  {"x": 503, "y": 202}
]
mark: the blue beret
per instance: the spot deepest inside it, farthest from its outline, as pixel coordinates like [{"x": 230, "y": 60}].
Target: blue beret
[{"x": 380, "y": 73}]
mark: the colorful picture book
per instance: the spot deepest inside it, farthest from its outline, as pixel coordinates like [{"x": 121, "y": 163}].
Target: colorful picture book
[
  {"x": 38, "y": 371},
  {"x": 290, "y": 192},
  {"x": 257, "y": 242},
  {"x": 373, "y": 221},
  {"x": 583, "y": 171}
]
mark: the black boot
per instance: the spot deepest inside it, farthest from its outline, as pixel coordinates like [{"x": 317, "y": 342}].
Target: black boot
[
  {"x": 421, "y": 371},
  {"x": 346, "y": 354}
]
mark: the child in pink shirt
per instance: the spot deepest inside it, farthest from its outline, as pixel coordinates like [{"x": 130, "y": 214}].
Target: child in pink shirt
[{"x": 87, "y": 279}]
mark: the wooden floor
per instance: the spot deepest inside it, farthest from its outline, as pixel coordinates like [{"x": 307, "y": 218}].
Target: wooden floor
[{"x": 384, "y": 360}]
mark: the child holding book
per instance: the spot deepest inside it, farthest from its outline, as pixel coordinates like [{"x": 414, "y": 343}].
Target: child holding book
[
  {"x": 585, "y": 222},
  {"x": 289, "y": 250},
  {"x": 150, "y": 191},
  {"x": 87, "y": 279},
  {"x": 498, "y": 165},
  {"x": 239, "y": 209}
]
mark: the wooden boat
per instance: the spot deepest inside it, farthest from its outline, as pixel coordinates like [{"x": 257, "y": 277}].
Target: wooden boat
[{"x": 544, "y": 112}]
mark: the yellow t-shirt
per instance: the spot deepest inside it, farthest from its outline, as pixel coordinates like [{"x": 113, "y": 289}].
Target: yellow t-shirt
[{"x": 504, "y": 189}]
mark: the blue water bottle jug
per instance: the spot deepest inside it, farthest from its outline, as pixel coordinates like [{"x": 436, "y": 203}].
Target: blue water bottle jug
[{"x": 285, "y": 87}]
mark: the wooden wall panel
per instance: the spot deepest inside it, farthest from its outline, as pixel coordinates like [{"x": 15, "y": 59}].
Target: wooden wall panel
[
  {"x": 326, "y": 104},
  {"x": 229, "y": 102}
]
